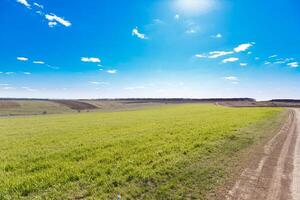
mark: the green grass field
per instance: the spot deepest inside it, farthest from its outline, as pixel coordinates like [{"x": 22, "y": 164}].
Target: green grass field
[{"x": 167, "y": 152}]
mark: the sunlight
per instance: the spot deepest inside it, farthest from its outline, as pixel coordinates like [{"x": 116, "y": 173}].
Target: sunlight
[{"x": 194, "y": 7}]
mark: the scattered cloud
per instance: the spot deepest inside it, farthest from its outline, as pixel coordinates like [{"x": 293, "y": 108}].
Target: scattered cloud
[
  {"x": 111, "y": 71},
  {"x": 267, "y": 63},
  {"x": 231, "y": 78},
  {"x": 4, "y": 84},
  {"x": 52, "y": 24},
  {"x": 7, "y": 88},
  {"x": 54, "y": 18},
  {"x": 293, "y": 64},
  {"x": 158, "y": 21},
  {"x": 135, "y": 32},
  {"x": 27, "y": 73},
  {"x": 135, "y": 88},
  {"x": 91, "y": 59},
  {"x": 177, "y": 16},
  {"x": 38, "y": 62},
  {"x": 38, "y": 5},
  {"x": 9, "y": 73},
  {"x": 232, "y": 59},
  {"x": 22, "y": 58},
  {"x": 24, "y": 2},
  {"x": 200, "y": 56},
  {"x": 273, "y": 56},
  {"x": 99, "y": 83},
  {"x": 219, "y": 35},
  {"x": 243, "y": 47},
  {"x": 243, "y": 64},
  {"x": 216, "y": 54},
  {"x": 257, "y": 58},
  {"x": 29, "y": 89}
]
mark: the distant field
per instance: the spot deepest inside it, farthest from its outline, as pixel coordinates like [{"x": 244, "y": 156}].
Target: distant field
[
  {"x": 31, "y": 107},
  {"x": 166, "y": 152}
]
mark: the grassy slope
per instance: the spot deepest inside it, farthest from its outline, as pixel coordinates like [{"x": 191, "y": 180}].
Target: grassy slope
[
  {"x": 33, "y": 107},
  {"x": 171, "y": 152}
]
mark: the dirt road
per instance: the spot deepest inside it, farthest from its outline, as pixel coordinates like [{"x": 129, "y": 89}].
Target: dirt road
[{"x": 274, "y": 170}]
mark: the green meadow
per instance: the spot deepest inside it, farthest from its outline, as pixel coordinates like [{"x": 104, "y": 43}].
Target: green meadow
[{"x": 165, "y": 152}]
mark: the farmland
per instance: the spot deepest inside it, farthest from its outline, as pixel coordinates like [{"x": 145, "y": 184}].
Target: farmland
[{"x": 163, "y": 152}]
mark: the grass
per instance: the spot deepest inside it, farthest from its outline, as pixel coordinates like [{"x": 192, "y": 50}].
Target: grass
[{"x": 168, "y": 152}]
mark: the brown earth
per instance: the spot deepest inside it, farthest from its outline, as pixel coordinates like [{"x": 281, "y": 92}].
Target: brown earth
[
  {"x": 273, "y": 171},
  {"x": 8, "y": 104},
  {"x": 75, "y": 105}
]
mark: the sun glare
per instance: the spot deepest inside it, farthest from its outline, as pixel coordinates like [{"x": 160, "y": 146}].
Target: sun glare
[{"x": 194, "y": 7}]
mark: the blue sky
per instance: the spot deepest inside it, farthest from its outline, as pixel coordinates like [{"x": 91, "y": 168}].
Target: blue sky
[{"x": 157, "y": 48}]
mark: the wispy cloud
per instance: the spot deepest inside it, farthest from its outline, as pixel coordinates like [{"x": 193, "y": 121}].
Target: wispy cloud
[
  {"x": 200, "y": 56},
  {"x": 231, "y": 78},
  {"x": 243, "y": 64},
  {"x": 27, "y": 73},
  {"x": 135, "y": 32},
  {"x": 273, "y": 56},
  {"x": 216, "y": 54},
  {"x": 243, "y": 47},
  {"x": 7, "y": 88},
  {"x": 232, "y": 59},
  {"x": 99, "y": 83},
  {"x": 218, "y": 35},
  {"x": 29, "y": 89},
  {"x": 24, "y": 2},
  {"x": 38, "y": 62},
  {"x": 9, "y": 73},
  {"x": 111, "y": 71},
  {"x": 135, "y": 88},
  {"x": 293, "y": 64},
  {"x": 177, "y": 16},
  {"x": 22, "y": 58},
  {"x": 54, "y": 18},
  {"x": 38, "y": 5},
  {"x": 91, "y": 59}
]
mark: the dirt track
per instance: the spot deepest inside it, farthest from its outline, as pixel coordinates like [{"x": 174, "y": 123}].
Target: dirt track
[{"x": 274, "y": 170}]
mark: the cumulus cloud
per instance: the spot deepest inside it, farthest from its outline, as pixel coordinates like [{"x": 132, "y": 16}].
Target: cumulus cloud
[
  {"x": 24, "y": 2},
  {"x": 135, "y": 32},
  {"x": 293, "y": 64},
  {"x": 232, "y": 59},
  {"x": 243, "y": 47},
  {"x": 22, "y": 58},
  {"x": 231, "y": 78},
  {"x": 111, "y": 71},
  {"x": 91, "y": 59},
  {"x": 54, "y": 18},
  {"x": 38, "y": 62},
  {"x": 216, "y": 54}
]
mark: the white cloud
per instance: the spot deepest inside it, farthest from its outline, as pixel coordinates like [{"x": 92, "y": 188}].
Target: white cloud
[
  {"x": 22, "y": 58},
  {"x": 158, "y": 21},
  {"x": 200, "y": 56},
  {"x": 9, "y": 73},
  {"x": 192, "y": 30},
  {"x": 91, "y": 59},
  {"x": 29, "y": 89},
  {"x": 293, "y": 64},
  {"x": 232, "y": 59},
  {"x": 216, "y": 54},
  {"x": 194, "y": 7},
  {"x": 38, "y": 5},
  {"x": 4, "y": 84},
  {"x": 231, "y": 78},
  {"x": 257, "y": 58},
  {"x": 219, "y": 35},
  {"x": 243, "y": 64},
  {"x": 52, "y": 24},
  {"x": 26, "y": 73},
  {"x": 135, "y": 32},
  {"x": 111, "y": 71},
  {"x": 177, "y": 16},
  {"x": 243, "y": 47},
  {"x": 39, "y": 62},
  {"x": 267, "y": 63},
  {"x": 135, "y": 88},
  {"x": 273, "y": 56},
  {"x": 7, "y": 88},
  {"x": 24, "y": 2},
  {"x": 53, "y": 18},
  {"x": 99, "y": 83}
]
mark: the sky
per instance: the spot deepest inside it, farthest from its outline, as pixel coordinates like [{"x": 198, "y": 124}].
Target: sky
[{"x": 150, "y": 49}]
